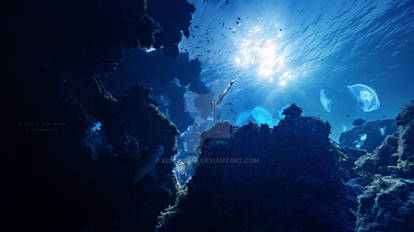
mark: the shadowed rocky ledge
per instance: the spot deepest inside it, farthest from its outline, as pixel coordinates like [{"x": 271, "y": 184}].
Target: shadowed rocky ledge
[
  {"x": 387, "y": 204},
  {"x": 263, "y": 179}
]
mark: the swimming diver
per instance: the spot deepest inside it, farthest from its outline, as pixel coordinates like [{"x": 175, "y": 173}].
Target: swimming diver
[{"x": 214, "y": 104}]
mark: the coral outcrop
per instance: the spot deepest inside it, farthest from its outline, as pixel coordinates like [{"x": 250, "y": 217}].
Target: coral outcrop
[
  {"x": 387, "y": 204},
  {"x": 263, "y": 179},
  {"x": 368, "y": 136},
  {"x": 60, "y": 52}
]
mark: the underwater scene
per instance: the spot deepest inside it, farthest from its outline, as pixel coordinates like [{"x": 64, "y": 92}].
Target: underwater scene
[{"x": 211, "y": 115}]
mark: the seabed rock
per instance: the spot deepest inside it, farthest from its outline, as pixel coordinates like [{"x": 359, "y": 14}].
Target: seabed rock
[
  {"x": 387, "y": 204},
  {"x": 263, "y": 179},
  {"x": 368, "y": 136}
]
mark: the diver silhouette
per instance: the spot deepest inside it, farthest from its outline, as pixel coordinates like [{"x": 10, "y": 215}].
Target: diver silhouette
[{"x": 214, "y": 104}]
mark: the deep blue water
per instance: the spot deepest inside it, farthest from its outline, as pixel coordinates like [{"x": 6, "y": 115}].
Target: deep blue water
[
  {"x": 81, "y": 136},
  {"x": 288, "y": 51}
]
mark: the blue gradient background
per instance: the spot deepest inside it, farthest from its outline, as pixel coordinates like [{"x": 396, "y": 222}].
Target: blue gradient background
[{"x": 327, "y": 45}]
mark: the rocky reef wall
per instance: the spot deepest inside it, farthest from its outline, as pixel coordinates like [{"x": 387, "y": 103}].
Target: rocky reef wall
[
  {"x": 387, "y": 204},
  {"x": 262, "y": 179}
]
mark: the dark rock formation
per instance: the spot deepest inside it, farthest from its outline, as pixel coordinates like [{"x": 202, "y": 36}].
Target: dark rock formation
[
  {"x": 132, "y": 125},
  {"x": 174, "y": 20},
  {"x": 168, "y": 84},
  {"x": 73, "y": 45},
  {"x": 359, "y": 122},
  {"x": 347, "y": 162},
  {"x": 368, "y": 136},
  {"x": 387, "y": 204},
  {"x": 379, "y": 160},
  {"x": 262, "y": 179},
  {"x": 406, "y": 140}
]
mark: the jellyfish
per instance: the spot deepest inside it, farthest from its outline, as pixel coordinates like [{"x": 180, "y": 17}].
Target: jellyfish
[
  {"x": 382, "y": 130},
  {"x": 325, "y": 101},
  {"x": 359, "y": 143},
  {"x": 366, "y": 96},
  {"x": 262, "y": 116},
  {"x": 242, "y": 118}
]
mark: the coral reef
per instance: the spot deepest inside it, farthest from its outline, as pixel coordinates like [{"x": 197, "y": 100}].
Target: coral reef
[
  {"x": 133, "y": 126},
  {"x": 378, "y": 161},
  {"x": 368, "y": 136},
  {"x": 406, "y": 140},
  {"x": 263, "y": 179},
  {"x": 387, "y": 204},
  {"x": 61, "y": 52},
  {"x": 359, "y": 122}
]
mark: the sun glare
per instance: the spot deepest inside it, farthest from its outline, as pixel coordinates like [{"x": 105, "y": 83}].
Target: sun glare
[{"x": 262, "y": 52}]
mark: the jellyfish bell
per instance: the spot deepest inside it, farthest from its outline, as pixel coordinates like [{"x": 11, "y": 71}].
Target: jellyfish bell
[
  {"x": 243, "y": 118},
  {"x": 366, "y": 96},
  {"x": 326, "y": 103}
]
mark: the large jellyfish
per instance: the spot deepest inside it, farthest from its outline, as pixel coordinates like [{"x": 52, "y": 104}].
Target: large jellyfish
[
  {"x": 365, "y": 95},
  {"x": 258, "y": 115},
  {"x": 262, "y": 116},
  {"x": 325, "y": 101},
  {"x": 243, "y": 118}
]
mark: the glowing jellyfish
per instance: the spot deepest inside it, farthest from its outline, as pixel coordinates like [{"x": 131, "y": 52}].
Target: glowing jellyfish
[
  {"x": 262, "y": 116},
  {"x": 257, "y": 114},
  {"x": 382, "y": 130},
  {"x": 325, "y": 101},
  {"x": 359, "y": 143},
  {"x": 242, "y": 118},
  {"x": 365, "y": 95},
  {"x": 363, "y": 137}
]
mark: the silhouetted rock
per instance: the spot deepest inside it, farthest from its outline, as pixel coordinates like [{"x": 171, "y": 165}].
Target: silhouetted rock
[
  {"x": 406, "y": 115},
  {"x": 359, "y": 122},
  {"x": 174, "y": 20},
  {"x": 378, "y": 161},
  {"x": 81, "y": 42},
  {"x": 347, "y": 162},
  {"x": 263, "y": 179},
  {"x": 132, "y": 125},
  {"x": 387, "y": 204},
  {"x": 405, "y": 120},
  {"x": 292, "y": 112},
  {"x": 368, "y": 136},
  {"x": 168, "y": 84}
]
